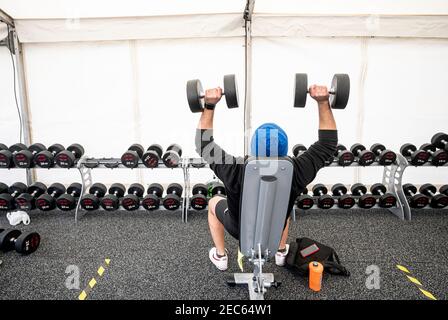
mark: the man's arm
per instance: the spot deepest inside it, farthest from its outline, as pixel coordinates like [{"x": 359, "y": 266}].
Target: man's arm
[{"x": 311, "y": 161}]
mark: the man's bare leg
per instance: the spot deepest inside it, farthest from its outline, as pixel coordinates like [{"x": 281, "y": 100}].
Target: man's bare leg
[
  {"x": 284, "y": 238},
  {"x": 216, "y": 227}
]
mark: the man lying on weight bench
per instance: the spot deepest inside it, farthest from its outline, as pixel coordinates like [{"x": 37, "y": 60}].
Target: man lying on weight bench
[{"x": 269, "y": 140}]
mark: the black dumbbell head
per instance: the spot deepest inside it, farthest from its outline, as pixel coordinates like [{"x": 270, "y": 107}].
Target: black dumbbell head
[
  {"x": 325, "y": 201},
  {"x": 3, "y": 146},
  {"x": 24, "y": 158},
  {"x": 137, "y": 189},
  {"x": 440, "y": 140},
  {"x": 75, "y": 189},
  {"x": 218, "y": 189},
  {"x": 76, "y": 149},
  {"x": 194, "y": 93},
  {"x": 427, "y": 189},
  {"x": 365, "y": 157},
  {"x": 7, "y": 239},
  {"x": 341, "y": 87},
  {"x": 17, "y": 188},
  {"x": 152, "y": 156},
  {"x": 345, "y": 201},
  {"x": 318, "y": 189},
  {"x": 344, "y": 156},
  {"x": 198, "y": 201},
  {"x": 155, "y": 188},
  {"x": 385, "y": 157},
  {"x": 438, "y": 157},
  {"x": 26, "y": 201},
  {"x": 366, "y": 201},
  {"x": 386, "y": 200},
  {"x": 151, "y": 202},
  {"x": 7, "y": 199},
  {"x": 132, "y": 200},
  {"x": 199, "y": 188},
  {"x": 117, "y": 189},
  {"x": 305, "y": 202},
  {"x": 17, "y": 147},
  {"x": 437, "y": 201},
  {"x": 231, "y": 91},
  {"x": 174, "y": 188},
  {"x": 66, "y": 202},
  {"x": 131, "y": 157},
  {"x": 378, "y": 188},
  {"x": 99, "y": 189},
  {"x": 56, "y": 189},
  {"x": 358, "y": 189},
  {"x": 444, "y": 189},
  {"x": 416, "y": 200},
  {"x": 300, "y": 90},
  {"x": 111, "y": 201},
  {"x": 171, "y": 157},
  {"x": 3, "y": 188},
  {"x": 27, "y": 243},
  {"x": 6, "y": 159},
  {"x": 338, "y": 189},
  {"x": 298, "y": 148}
]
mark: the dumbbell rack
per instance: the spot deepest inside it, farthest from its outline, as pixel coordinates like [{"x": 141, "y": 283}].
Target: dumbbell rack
[
  {"x": 392, "y": 179},
  {"x": 85, "y": 166}
]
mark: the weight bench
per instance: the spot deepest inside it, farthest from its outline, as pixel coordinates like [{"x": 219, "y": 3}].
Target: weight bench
[{"x": 264, "y": 205}]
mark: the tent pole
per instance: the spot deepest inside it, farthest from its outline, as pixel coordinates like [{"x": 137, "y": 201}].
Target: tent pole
[
  {"x": 4, "y": 17},
  {"x": 248, "y": 74}
]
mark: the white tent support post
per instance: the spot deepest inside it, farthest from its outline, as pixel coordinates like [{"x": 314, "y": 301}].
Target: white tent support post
[
  {"x": 248, "y": 74},
  {"x": 4, "y": 17}
]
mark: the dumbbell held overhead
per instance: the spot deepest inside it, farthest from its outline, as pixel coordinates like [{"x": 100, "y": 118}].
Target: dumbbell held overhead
[
  {"x": 339, "y": 91},
  {"x": 195, "y": 93}
]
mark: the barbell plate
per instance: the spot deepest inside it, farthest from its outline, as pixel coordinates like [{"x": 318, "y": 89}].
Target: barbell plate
[
  {"x": 231, "y": 91},
  {"x": 341, "y": 87},
  {"x": 300, "y": 90},
  {"x": 194, "y": 92}
]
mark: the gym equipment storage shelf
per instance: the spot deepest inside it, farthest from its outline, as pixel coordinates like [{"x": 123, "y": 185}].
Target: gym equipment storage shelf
[{"x": 86, "y": 164}]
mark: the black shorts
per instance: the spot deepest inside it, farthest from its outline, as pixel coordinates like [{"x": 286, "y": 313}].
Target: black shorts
[{"x": 231, "y": 223}]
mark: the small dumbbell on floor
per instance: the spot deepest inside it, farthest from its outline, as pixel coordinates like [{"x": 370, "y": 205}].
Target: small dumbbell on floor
[
  {"x": 67, "y": 158},
  {"x": 304, "y": 201},
  {"x": 414, "y": 156},
  {"x": 131, "y": 201},
  {"x": 199, "y": 199},
  {"x": 27, "y": 200},
  {"x": 131, "y": 158},
  {"x": 111, "y": 201},
  {"x": 172, "y": 200},
  {"x": 153, "y": 195},
  {"x": 91, "y": 201},
  {"x": 47, "y": 201},
  {"x": 437, "y": 201},
  {"x": 415, "y": 200},
  {"x": 365, "y": 201},
  {"x": 324, "y": 201},
  {"x": 24, "y": 243},
  {"x": 68, "y": 201},
  {"x": 7, "y": 199},
  {"x": 345, "y": 201},
  {"x": 385, "y": 199}
]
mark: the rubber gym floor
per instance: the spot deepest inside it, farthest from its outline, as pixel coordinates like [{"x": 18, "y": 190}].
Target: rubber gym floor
[{"x": 156, "y": 256}]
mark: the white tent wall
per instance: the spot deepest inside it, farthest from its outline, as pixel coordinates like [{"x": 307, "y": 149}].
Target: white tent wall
[
  {"x": 108, "y": 95},
  {"x": 401, "y": 99}
]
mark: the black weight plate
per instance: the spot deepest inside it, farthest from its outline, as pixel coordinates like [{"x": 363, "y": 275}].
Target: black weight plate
[
  {"x": 387, "y": 157},
  {"x": 174, "y": 188},
  {"x": 3, "y": 146},
  {"x": 17, "y": 188},
  {"x": 317, "y": 188},
  {"x": 7, "y": 238},
  {"x": 231, "y": 91},
  {"x": 409, "y": 189},
  {"x": 23, "y": 159},
  {"x": 45, "y": 202},
  {"x": 130, "y": 159},
  {"x": 345, "y": 158},
  {"x": 44, "y": 159},
  {"x": 194, "y": 93},
  {"x": 130, "y": 202},
  {"x": 151, "y": 159},
  {"x": 418, "y": 201},
  {"x": 5, "y": 159},
  {"x": 338, "y": 189},
  {"x": 98, "y": 188},
  {"x": 56, "y": 188},
  {"x": 407, "y": 149},
  {"x": 89, "y": 202},
  {"x": 199, "y": 188},
  {"x": 218, "y": 188},
  {"x": 366, "y": 201},
  {"x": 27, "y": 243},
  {"x": 439, "y": 201},
  {"x": 95, "y": 163},
  {"x": 37, "y": 188},
  {"x": 440, "y": 140},
  {"x": 66, "y": 202},
  {"x": 3, "y": 188},
  {"x": 439, "y": 158},
  {"x": 171, "y": 159},
  {"x": 305, "y": 202},
  {"x": 339, "y": 147},
  {"x": 198, "y": 202},
  {"x": 110, "y": 202},
  {"x": 298, "y": 148},
  {"x": 175, "y": 147},
  {"x": 377, "y": 148},
  {"x": 117, "y": 189},
  {"x": 420, "y": 157},
  {"x": 171, "y": 202},
  {"x": 76, "y": 149},
  {"x": 366, "y": 158},
  {"x": 157, "y": 148},
  {"x": 17, "y": 147},
  {"x": 137, "y": 148},
  {"x": 428, "y": 147},
  {"x": 25, "y": 202},
  {"x": 137, "y": 189},
  {"x": 156, "y": 189},
  {"x": 357, "y": 148},
  {"x": 444, "y": 189},
  {"x": 358, "y": 189},
  {"x": 387, "y": 201},
  {"x": 341, "y": 86},
  {"x": 37, "y": 147},
  {"x": 300, "y": 90},
  {"x": 325, "y": 202},
  {"x": 74, "y": 189},
  {"x": 151, "y": 202},
  {"x": 378, "y": 188},
  {"x": 65, "y": 159},
  {"x": 6, "y": 201},
  {"x": 346, "y": 201},
  {"x": 427, "y": 189},
  {"x": 56, "y": 148}
]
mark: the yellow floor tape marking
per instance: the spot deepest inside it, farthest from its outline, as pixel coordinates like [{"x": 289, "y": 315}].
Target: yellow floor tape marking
[
  {"x": 404, "y": 269},
  {"x": 92, "y": 283},
  {"x": 83, "y": 295},
  {"x": 428, "y": 294},
  {"x": 107, "y": 261},
  {"x": 100, "y": 271},
  {"x": 414, "y": 280}
]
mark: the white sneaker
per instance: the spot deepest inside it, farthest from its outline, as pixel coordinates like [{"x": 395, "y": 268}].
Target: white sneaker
[
  {"x": 220, "y": 263},
  {"x": 280, "y": 257}
]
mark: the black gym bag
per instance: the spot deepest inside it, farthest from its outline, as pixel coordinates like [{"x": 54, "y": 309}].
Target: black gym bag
[{"x": 304, "y": 250}]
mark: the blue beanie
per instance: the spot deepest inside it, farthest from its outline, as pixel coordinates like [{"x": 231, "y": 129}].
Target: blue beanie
[{"x": 269, "y": 140}]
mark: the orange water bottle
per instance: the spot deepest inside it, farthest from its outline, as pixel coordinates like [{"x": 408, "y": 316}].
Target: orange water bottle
[{"x": 316, "y": 271}]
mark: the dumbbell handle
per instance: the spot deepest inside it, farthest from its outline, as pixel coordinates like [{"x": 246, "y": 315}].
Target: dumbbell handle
[
  {"x": 73, "y": 193},
  {"x": 14, "y": 194},
  {"x": 331, "y": 91},
  {"x": 321, "y": 193},
  {"x": 96, "y": 194},
  {"x": 53, "y": 193},
  {"x": 202, "y": 96},
  {"x": 380, "y": 193},
  {"x": 34, "y": 193},
  {"x": 378, "y": 151},
  {"x": 340, "y": 192},
  {"x": 431, "y": 193},
  {"x": 410, "y": 193},
  {"x": 360, "y": 193}
]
